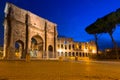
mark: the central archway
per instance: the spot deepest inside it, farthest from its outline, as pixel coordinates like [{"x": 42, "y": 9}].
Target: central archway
[{"x": 36, "y": 47}]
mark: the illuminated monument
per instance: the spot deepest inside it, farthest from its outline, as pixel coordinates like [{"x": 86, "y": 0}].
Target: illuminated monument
[
  {"x": 69, "y": 49},
  {"x": 25, "y": 32},
  {"x": 28, "y": 34}
]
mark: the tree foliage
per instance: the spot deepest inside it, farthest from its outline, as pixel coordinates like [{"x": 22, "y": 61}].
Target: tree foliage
[{"x": 105, "y": 24}]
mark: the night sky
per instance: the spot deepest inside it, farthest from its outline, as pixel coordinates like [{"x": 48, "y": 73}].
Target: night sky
[{"x": 71, "y": 16}]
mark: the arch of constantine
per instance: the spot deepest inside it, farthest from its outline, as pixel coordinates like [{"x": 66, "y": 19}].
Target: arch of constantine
[{"x": 26, "y": 33}]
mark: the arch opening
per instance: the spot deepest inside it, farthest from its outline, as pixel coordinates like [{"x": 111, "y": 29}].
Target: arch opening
[
  {"x": 36, "y": 50},
  {"x": 19, "y": 48},
  {"x": 50, "y": 51}
]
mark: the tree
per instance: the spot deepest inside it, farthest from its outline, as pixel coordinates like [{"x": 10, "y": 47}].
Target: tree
[
  {"x": 95, "y": 29},
  {"x": 106, "y": 24}
]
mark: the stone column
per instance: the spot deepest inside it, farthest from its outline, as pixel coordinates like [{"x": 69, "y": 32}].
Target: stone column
[
  {"x": 27, "y": 33},
  {"x": 46, "y": 50},
  {"x": 5, "y": 39},
  {"x": 55, "y": 42},
  {"x": 7, "y": 34}
]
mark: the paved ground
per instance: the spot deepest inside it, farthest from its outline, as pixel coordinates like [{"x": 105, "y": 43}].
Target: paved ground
[{"x": 56, "y": 70}]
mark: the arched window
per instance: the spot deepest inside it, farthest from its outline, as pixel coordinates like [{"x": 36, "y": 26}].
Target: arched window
[
  {"x": 73, "y": 54},
  {"x": 76, "y": 53},
  {"x": 65, "y": 54},
  {"x": 69, "y": 53},
  {"x": 80, "y": 47},
  {"x": 61, "y": 53},
  {"x": 58, "y": 46},
  {"x": 73, "y": 46},
  {"x": 83, "y": 55},
  {"x": 69, "y": 47},
  {"x": 86, "y": 54},
  {"x": 62, "y": 46},
  {"x": 80, "y": 54},
  {"x": 65, "y": 47}
]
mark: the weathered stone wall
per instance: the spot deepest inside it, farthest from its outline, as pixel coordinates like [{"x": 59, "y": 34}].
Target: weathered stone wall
[
  {"x": 17, "y": 13},
  {"x": 36, "y": 21}
]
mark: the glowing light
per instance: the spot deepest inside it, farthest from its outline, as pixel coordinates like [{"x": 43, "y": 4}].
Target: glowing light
[
  {"x": 108, "y": 50},
  {"x": 60, "y": 50},
  {"x": 93, "y": 51},
  {"x": 85, "y": 50},
  {"x": 77, "y": 46},
  {"x": 17, "y": 54}
]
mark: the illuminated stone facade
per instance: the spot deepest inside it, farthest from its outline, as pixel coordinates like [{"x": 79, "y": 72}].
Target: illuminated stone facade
[
  {"x": 67, "y": 48},
  {"x": 28, "y": 34}
]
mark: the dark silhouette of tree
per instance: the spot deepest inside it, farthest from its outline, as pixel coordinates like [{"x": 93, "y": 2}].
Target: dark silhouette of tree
[
  {"x": 110, "y": 22},
  {"x": 96, "y": 28},
  {"x": 106, "y": 24}
]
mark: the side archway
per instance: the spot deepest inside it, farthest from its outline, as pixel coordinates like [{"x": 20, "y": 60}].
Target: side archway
[
  {"x": 19, "y": 49},
  {"x": 50, "y": 51}
]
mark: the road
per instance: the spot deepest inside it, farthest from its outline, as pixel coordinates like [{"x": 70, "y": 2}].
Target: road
[{"x": 59, "y": 70}]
